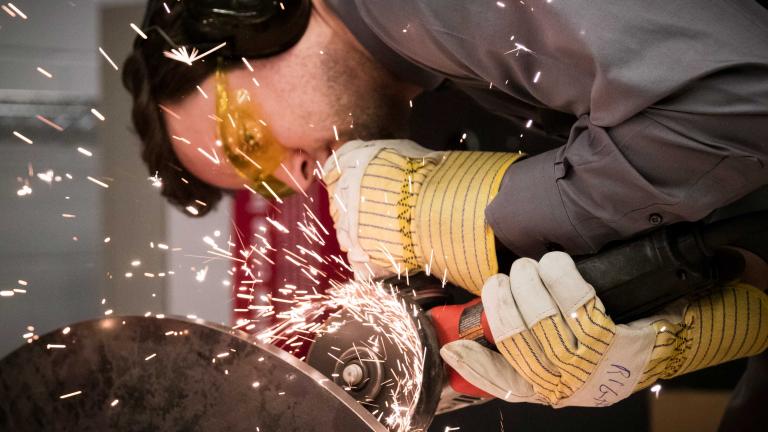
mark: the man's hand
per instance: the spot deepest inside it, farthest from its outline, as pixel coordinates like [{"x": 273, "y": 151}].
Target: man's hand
[
  {"x": 398, "y": 207},
  {"x": 559, "y": 347}
]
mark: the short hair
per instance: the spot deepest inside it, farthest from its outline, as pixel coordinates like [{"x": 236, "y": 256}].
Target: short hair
[{"x": 153, "y": 79}]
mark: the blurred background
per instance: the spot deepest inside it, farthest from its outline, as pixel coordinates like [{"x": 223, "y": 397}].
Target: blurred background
[
  {"x": 79, "y": 249},
  {"x": 72, "y": 249}
]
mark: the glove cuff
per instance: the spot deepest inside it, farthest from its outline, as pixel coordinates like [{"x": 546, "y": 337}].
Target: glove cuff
[
  {"x": 449, "y": 225},
  {"x": 728, "y": 324}
]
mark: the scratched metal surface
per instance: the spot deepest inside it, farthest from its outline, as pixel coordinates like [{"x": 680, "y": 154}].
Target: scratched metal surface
[{"x": 167, "y": 374}]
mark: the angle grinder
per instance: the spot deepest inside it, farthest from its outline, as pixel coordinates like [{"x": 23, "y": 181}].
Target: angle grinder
[{"x": 633, "y": 279}]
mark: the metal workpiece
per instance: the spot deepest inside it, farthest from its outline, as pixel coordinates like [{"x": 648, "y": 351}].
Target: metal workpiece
[{"x": 139, "y": 374}]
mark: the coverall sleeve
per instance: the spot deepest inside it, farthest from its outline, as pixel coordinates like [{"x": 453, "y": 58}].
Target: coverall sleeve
[{"x": 672, "y": 123}]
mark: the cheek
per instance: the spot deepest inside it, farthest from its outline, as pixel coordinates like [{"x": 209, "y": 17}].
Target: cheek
[
  {"x": 298, "y": 117},
  {"x": 209, "y": 165}
]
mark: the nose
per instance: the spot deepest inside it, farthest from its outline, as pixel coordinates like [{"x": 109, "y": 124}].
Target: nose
[{"x": 296, "y": 170}]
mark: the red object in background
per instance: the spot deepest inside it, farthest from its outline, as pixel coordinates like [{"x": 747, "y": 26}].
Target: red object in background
[{"x": 250, "y": 222}]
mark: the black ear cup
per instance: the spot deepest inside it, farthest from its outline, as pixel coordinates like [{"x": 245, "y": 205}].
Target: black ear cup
[{"x": 250, "y": 28}]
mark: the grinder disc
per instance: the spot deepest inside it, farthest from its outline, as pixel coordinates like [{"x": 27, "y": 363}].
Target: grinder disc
[{"x": 362, "y": 357}]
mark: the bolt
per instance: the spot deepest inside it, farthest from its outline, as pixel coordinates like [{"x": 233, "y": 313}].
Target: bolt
[{"x": 352, "y": 374}]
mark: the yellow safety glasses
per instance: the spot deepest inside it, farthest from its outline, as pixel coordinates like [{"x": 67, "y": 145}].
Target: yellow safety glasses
[{"x": 247, "y": 141}]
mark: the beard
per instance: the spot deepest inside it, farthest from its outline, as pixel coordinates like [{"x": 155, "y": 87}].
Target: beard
[{"x": 368, "y": 102}]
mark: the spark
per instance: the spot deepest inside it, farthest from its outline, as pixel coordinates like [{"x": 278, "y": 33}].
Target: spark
[
  {"x": 341, "y": 203},
  {"x": 214, "y": 157},
  {"x": 335, "y": 132},
  {"x": 656, "y": 388},
  {"x": 192, "y": 210},
  {"x": 46, "y": 176},
  {"x": 17, "y": 10},
  {"x": 66, "y": 330},
  {"x": 68, "y": 216},
  {"x": 247, "y": 64},
  {"x": 519, "y": 48},
  {"x": 64, "y": 396},
  {"x": 138, "y": 30},
  {"x": 84, "y": 151},
  {"x": 24, "y": 191},
  {"x": 277, "y": 225},
  {"x": 8, "y": 11},
  {"x": 98, "y": 182},
  {"x": 200, "y": 275},
  {"x": 202, "y": 92},
  {"x": 388, "y": 317},
  {"x": 155, "y": 180},
  {"x": 168, "y": 110},
  {"x": 44, "y": 72},
  {"x": 536, "y": 77},
  {"x": 188, "y": 57},
  {"x": 22, "y": 137},
  {"x": 248, "y": 158},
  {"x": 98, "y": 115},
  {"x": 114, "y": 403},
  {"x": 277, "y": 198},
  {"x": 528, "y": 123},
  {"x": 501, "y": 5},
  {"x": 49, "y": 123},
  {"x": 135, "y": 263},
  {"x": 106, "y": 56},
  {"x": 55, "y": 346},
  {"x": 150, "y": 357},
  {"x": 6, "y": 293}
]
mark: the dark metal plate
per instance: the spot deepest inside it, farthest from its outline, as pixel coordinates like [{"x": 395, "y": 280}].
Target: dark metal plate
[{"x": 169, "y": 374}]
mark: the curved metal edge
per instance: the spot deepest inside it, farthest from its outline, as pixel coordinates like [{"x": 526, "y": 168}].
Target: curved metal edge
[{"x": 294, "y": 362}]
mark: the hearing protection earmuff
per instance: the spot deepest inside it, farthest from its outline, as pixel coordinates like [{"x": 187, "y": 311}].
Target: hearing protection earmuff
[{"x": 250, "y": 28}]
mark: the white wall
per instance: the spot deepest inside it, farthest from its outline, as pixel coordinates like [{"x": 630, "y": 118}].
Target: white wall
[{"x": 210, "y": 297}]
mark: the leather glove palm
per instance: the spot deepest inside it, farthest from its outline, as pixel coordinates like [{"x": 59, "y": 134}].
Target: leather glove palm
[
  {"x": 399, "y": 207},
  {"x": 558, "y": 346}
]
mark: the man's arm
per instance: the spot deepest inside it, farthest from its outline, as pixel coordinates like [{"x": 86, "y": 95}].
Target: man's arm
[
  {"x": 662, "y": 166},
  {"x": 676, "y": 127}
]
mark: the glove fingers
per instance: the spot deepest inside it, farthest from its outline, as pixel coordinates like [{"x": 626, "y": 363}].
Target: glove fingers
[
  {"x": 503, "y": 317},
  {"x": 487, "y": 370},
  {"x": 531, "y": 296},
  {"x": 525, "y": 354},
  {"x": 564, "y": 282},
  {"x": 513, "y": 339}
]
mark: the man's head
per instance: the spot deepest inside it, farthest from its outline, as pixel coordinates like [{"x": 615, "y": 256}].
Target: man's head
[{"x": 324, "y": 85}]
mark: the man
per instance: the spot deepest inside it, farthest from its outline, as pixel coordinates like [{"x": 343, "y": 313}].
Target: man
[{"x": 641, "y": 114}]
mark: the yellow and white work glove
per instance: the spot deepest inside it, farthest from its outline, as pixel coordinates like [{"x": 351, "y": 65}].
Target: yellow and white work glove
[
  {"x": 558, "y": 347},
  {"x": 399, "y": 207}
]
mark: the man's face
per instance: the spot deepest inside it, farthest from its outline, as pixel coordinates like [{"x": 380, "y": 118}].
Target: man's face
[{"x": 314, "y": 97}]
